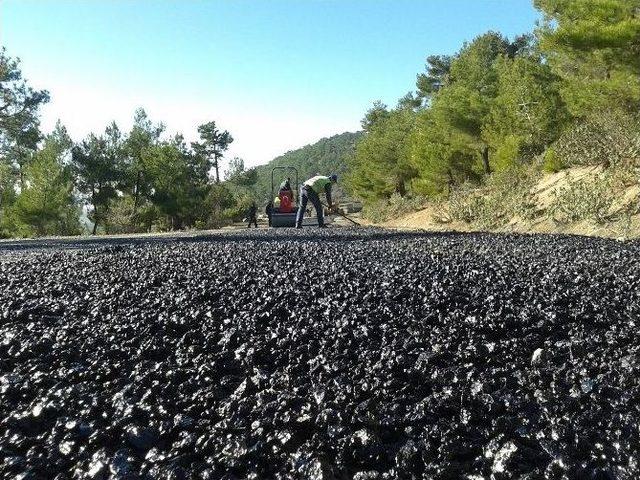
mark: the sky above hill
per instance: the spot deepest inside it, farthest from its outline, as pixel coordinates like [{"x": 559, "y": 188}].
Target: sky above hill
[{"x": 278, "y": 74}]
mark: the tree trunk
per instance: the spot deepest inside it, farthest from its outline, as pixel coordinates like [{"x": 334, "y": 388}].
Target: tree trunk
[
  {"x": 400, "y": 188},
  {"x": 216, "y": 165},
  {"x": 136, "y": 193},
  {"x": 95, "y": 210},
  {"x": 485, "y": 160},
  {"x": 21, "y": 166}
]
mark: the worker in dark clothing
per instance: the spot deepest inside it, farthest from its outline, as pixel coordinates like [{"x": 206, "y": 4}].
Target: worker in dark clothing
[
  {"x": 269, "y": 210},
  {"x": 251, "y": 215},
  {"x": 310, "y": 191}
]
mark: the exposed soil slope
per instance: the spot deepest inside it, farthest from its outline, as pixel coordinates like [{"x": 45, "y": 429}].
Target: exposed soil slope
[{"x": 542, "y": 195}]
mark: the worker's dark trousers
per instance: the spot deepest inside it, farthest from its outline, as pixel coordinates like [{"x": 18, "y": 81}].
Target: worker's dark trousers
[
  {"x": 307, "y": 195},
  {"x": 253, "y": 220}
]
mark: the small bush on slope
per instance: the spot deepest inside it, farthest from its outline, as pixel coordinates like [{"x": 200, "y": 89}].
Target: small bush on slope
[{"x": 506, "y": 195}]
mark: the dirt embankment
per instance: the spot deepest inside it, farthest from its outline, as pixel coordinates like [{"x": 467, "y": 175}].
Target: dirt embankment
[{"x": 620, "y": 218}]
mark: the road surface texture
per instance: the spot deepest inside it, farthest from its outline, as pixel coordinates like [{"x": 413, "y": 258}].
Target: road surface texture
[{"x": 311, "y": 354}]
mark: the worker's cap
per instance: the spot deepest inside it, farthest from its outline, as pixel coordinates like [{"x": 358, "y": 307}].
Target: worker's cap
[{"x": 333, "y": 177}]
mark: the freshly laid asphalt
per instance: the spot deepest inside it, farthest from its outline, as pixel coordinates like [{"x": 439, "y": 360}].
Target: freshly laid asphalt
[{"x": 320, "y": 354}]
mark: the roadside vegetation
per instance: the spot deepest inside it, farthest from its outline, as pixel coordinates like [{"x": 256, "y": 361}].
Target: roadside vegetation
[
  {"x": 116, "y": 181},
  {"x": 480, "y": 130},
  {"x": 484, "y": 125}
]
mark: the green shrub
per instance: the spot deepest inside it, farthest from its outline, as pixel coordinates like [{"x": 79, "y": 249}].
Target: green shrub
[
  {"x": 467, "y": 204},
  {"x": 507, "y": 153},
  {"x": 120, "y": 218},
  {"x": 507, "y": 194},
  {"x": 376, "y": 211},
  {"x": 385, "y": 209},
  {"x": 240, "y": 208},
  {"x": 219, "y": 206},
  {"x": 582, "y": 200},
  {"x": 625, "y": 174},
  {"x": 605, "y": 138},
  {"x": 551, "y": 161}
]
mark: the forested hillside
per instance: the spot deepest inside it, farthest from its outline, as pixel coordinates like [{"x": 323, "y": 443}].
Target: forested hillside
[
  {"x": 328, "y": 155},
  {"x": 500, "y": 110}
]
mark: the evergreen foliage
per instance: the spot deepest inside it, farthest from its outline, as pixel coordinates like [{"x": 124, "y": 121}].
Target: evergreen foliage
[{"x": 567, "y": 94}]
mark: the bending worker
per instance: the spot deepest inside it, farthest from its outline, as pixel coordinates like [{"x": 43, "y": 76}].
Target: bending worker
[{"x": 310, "y": 191}]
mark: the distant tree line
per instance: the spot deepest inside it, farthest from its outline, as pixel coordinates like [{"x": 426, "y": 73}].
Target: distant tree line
[
  {"x": 132, "y": 181},
  {"x": 498, "y": 104}
]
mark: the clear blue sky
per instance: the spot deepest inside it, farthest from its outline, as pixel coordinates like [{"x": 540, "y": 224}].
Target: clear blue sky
[{"x": 277, "y": 73}]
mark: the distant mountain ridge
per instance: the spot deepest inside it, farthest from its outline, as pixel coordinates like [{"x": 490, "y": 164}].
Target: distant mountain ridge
[{"x": 326, "y": 156}]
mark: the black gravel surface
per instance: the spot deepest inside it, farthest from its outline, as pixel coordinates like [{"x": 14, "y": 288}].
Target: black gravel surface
[{"x": 314, "y": 354}]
